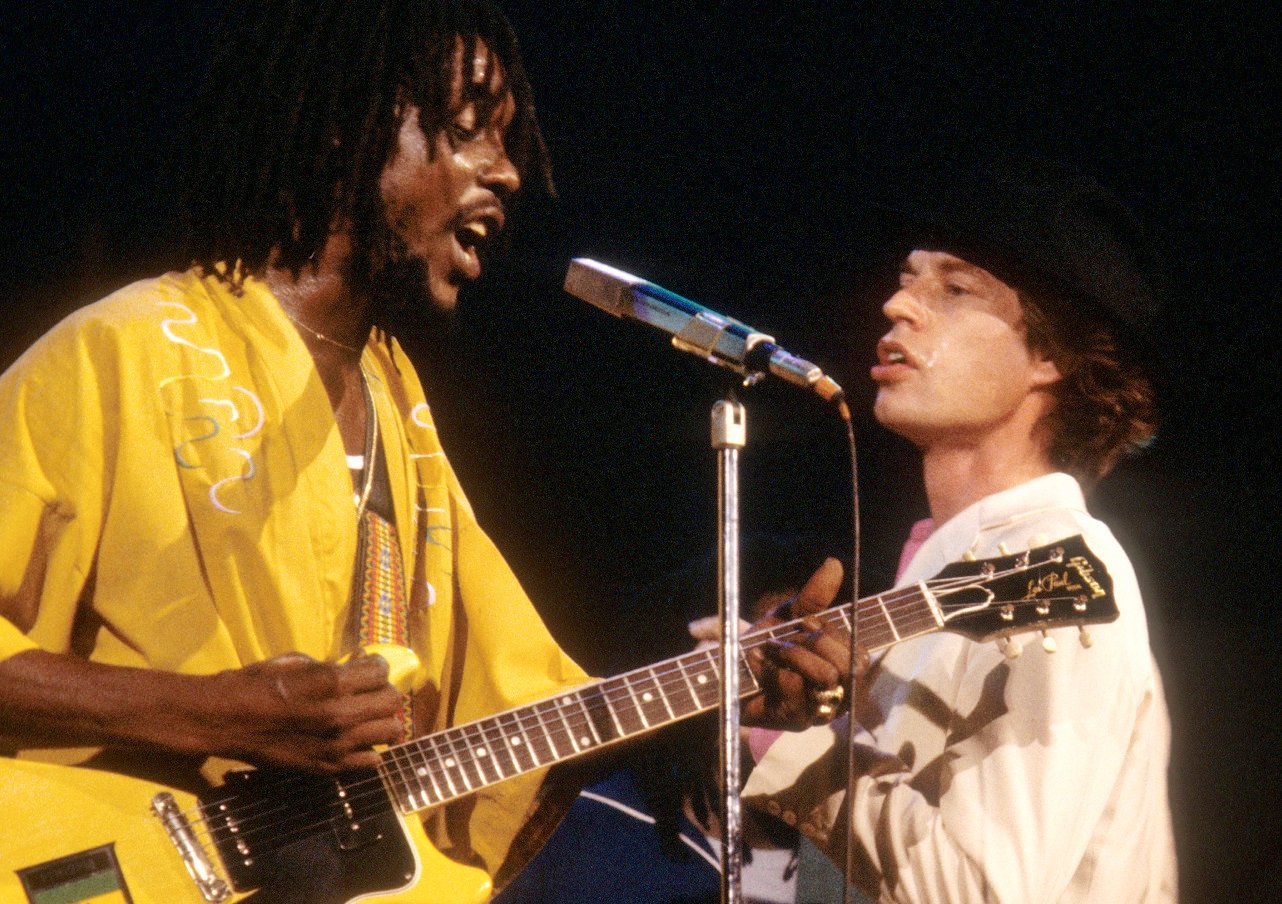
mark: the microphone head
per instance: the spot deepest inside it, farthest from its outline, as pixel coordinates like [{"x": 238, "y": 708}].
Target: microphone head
[{"x": 601, "y": 285}]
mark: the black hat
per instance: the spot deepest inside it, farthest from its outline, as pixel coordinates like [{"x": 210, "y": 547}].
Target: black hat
[{"x": 1044, "y": 226}]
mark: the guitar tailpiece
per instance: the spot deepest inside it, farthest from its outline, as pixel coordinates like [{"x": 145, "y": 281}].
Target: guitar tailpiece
[{"x": 211, "y": 887}]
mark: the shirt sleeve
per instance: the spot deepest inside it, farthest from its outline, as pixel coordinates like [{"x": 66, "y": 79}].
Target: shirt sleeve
[{"x": 50, "y": 488}]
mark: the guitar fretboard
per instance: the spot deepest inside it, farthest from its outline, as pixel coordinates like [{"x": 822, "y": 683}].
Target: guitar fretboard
[
  {"x": 1052, "y": 586},
  {"x": 440, "y": 767}
]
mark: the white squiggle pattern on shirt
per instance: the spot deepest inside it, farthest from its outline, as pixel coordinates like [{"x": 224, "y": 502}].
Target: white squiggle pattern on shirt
[
  {"x": 422, "y": 408},
  {"x": 248, "y": 475},
  {"x": 165, "y": 327},
  {"x": 232, "y": 410}
]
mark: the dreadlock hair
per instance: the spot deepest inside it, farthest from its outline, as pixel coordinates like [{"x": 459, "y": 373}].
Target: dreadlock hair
[
  {"x": 301, "y": 110},
  {"x": 1105, "y": 402}
]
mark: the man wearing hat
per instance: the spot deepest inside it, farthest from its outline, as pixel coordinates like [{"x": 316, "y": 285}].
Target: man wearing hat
[{"x": 1033, "y": 769}]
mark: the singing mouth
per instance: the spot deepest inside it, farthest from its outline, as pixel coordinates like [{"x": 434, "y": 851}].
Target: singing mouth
[
  {"x": 476, "y": 230},
  {"x": 889, "y": 352},
  {"x": 478, "y": 225}
]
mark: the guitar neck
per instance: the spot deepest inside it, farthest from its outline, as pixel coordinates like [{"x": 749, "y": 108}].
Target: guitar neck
[{"x": 440, "y": 767}]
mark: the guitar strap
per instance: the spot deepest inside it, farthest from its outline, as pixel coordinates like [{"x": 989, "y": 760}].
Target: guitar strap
[{"x": 379, "y": 600}]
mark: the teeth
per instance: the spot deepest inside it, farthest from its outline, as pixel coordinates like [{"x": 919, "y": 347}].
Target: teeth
[
  {"x": 895, "y": 357},
  {"x": 478, "y": 229}
]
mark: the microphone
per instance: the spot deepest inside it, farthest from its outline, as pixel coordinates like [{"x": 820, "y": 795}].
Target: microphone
[{"x": 695, "y": 329}]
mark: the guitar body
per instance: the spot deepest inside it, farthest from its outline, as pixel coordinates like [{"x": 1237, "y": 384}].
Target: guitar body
[{"x": 83, "y": 835}]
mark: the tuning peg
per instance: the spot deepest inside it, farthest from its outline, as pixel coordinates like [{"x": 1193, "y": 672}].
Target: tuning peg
[
  {"x": 1084, "y": 636},
  {"x": 1003, "y": 549},
  {"x": 1010, "y": 647},
  {"x": 1048, "y": 643}
]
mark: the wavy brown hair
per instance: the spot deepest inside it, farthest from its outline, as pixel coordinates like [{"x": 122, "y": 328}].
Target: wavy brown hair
[{"x": 1105, "y": 400}]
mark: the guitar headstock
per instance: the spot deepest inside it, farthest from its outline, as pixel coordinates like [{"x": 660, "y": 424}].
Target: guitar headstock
[{"x": 1057, "y": 585}]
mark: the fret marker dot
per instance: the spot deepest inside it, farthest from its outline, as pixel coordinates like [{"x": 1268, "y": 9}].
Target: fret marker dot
[
  {"x": 481, "y": 751},
  {"x": 703, "y": 679},
  {"x": 421, "y": 770},
  {"x": 515, "y": 742},
  {"x": 566, "y": 701},
  {"x": 450, "y": 762},
  {"x": 585, "y": 741},
  {"x": 647, "y": 696}
]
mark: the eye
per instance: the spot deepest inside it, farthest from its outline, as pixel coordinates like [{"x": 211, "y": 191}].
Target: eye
[{"x": 466, "y": 125}]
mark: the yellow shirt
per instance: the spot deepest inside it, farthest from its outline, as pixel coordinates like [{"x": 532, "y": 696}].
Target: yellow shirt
[{"x": 174, "y": 494}]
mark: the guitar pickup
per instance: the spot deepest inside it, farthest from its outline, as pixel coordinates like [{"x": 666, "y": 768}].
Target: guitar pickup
[{"x": 355, "y": 826}]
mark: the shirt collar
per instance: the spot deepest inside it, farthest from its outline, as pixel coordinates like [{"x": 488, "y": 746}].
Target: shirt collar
[{"x": 964, "y": 531}]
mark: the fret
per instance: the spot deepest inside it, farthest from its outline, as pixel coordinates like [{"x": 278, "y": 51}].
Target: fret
[
  {"x": 618, "y": 709},
  {"x": 394, "y": 779},
  {"x": 455, "y": 765},
  {"x": 628, "y": 715},
  {"x": 570, "y": 732},
  {"x": 881, "y": 601},
  {"x": 517, "y": 742},
  {"x": 696, "y": 706},
  {"x": 554, "y": 752},
  {"x": 654, "y": 702},
  {"x": 438, "y": 757},
  {"x": 708, "y": 681},
  {"x": 424, "y": 770},
  {"x": 601, "y": 717},
  {"x": 478, "y": 750},
  {"x": 406, "y": 774},
  {"x": 636, "y": 704}
]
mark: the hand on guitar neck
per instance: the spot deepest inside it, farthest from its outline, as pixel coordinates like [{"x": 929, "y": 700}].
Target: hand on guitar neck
[
  {"x": 290, "y": 711},
  {"x": 794, "y": 674}
]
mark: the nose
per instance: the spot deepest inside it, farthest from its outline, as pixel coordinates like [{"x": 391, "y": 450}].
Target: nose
[
  {"x": 499, "y": 174},
  {"x": 904, "y": 307}
]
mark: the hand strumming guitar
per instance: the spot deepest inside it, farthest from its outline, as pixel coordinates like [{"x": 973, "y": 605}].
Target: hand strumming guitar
[{"x": 287, "y": 711}]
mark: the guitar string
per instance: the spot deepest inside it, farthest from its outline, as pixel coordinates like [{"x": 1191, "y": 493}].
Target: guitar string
[
  {"x": 616, "y": 690},
  {"x": 374, "y": 791},
  {"x": 382, "y": 792},
  {"x": 612, "y": 691},
  {"x": 620, "y": 692},
  {"x": 568, "y": 719}
]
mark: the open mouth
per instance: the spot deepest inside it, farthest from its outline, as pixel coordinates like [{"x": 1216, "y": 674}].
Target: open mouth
[
  {"x": 890, "y": 353},
  {"x": 893, "y": 362},
  {"x": 473, "y": 236}
]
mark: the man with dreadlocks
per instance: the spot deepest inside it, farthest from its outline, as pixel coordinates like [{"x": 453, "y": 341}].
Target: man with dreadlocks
[{"x": 221, "y": 484}]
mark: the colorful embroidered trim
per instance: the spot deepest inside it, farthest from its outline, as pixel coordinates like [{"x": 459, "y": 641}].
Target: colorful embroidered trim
[{"x": 383, "y": 604}]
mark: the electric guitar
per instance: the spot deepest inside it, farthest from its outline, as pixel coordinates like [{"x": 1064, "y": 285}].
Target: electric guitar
[{"x": 73, "y": 834}]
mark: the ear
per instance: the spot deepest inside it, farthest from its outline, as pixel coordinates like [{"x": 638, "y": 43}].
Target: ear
[{"x": 1044, "y": 371}]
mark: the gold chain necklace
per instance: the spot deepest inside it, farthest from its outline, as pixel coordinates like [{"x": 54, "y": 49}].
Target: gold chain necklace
[{"x": 318, "y": 334}]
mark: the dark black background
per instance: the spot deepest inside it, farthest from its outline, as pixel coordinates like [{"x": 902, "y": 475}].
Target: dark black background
[{"x": 732, "y": 152}]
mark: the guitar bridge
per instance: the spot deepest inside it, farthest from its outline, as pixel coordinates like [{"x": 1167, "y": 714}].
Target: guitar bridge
[{"x": 198, "y": 864}]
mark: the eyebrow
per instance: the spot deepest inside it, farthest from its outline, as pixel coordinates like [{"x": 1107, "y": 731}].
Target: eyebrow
[{"x": 950, "y": 264}]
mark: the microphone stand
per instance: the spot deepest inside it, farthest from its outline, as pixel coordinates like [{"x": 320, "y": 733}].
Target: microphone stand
[{"x": 729, "y": 435}]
